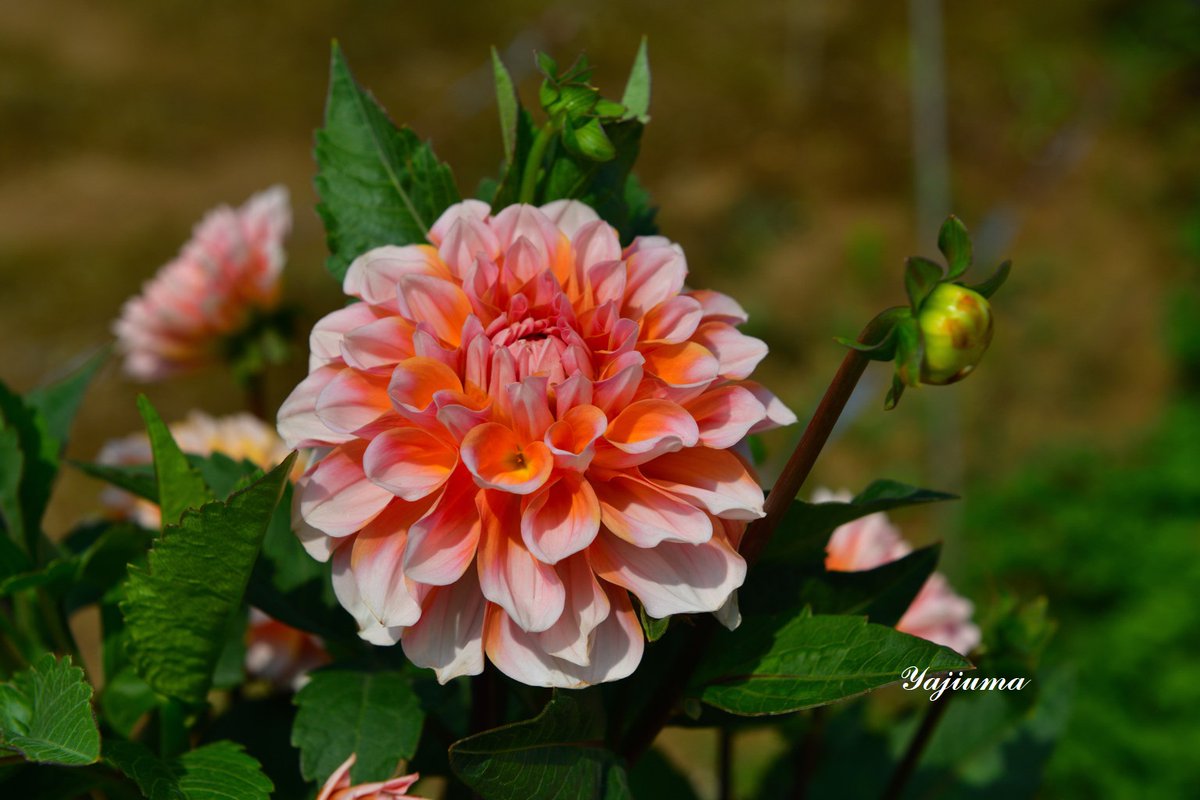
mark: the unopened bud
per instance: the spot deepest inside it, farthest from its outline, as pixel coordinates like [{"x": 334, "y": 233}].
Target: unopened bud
[{"x": 956, "y": 329}]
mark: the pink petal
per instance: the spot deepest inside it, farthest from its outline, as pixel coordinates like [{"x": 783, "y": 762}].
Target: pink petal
[
  {"x": 569, "y": 215},
  {"x": 436, "y": 301},
  {"x": 382, "y": 343},
  {"x": 725, "y": 415},
  {"x": 715, "y": 480},
  {"x": 686, "y": 365},
  {"x": 325, "y": 341},
  {"x": 737, "y": 353},
  {"x": 297, "y": 421},
  {"x": 467, "y": 209},
  {"x": 572, "y": 438},
  {"x": 498, "y": 460},
  {"x": 655, "y": 274},
  {"x": 672, "y": 578},
  {"x": 467, "y": 239},
  {"x": 719, "y": 307},
  {"x": 649, "y": 428},
  {"x": 672, "y": 321},
  {"x": 778, "y": 415},
  {"x": 345, "y": 588},
  {"x": 374, "y": 275},
  {"x": 530, "y": 411},
  {"x": 617, "y": 387},
  {"x": 561, "y": 519},
  {"x": 377, "y": 561},
  {"x": 353, "y": 400},
  {"x": 409, "y": 462},
  {"x": 528, "y": 590},
  {"x": 414, "y": 383},
  {"x": 587, "y": 606},
  {"x": 645, "y": 515},
  {"x": 336, "y": 496},
  {"x": 449, "y": 635},
  {"x": 442, "y": 544}
]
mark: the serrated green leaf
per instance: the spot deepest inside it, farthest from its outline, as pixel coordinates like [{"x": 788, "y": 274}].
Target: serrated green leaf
[
  {"x": 378, "y": 184},
  {"x": 558, "y": 754},
  {"x": 217, "y": 771},
  {"x": 180, "y": 486},
  {"x": 46, "y": 714},
  {"x": 157, "y": 779},
  {"x": 508, "y": 105},
  {"x": 125, "y": 700},
  {"x": 374, "y": 715},
  {"x": 637, "y": 89},
  {"x": 921, "y": 276},
  {"x": 776, "y": 664},
  {"x": 177, "y": 608},
  {"x": 137, "y": 479},
  {"x": 955, "y": 244}
]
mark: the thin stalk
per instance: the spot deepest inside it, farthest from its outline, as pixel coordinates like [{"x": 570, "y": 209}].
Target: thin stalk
[
  {"x": 808, "y": 753},
  {"x": 256, "y": 395},
  {"x": 172, "y": 728},
  {"x": 912, "y": 755},
  {"x": 487, "y": 701},
  {"x": 533, "y": 165},
  {"x": 724, "y": 764}
]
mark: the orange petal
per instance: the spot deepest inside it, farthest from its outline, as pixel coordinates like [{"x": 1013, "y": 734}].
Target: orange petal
[
  {"x": 498, "y": 460},
  {"x": 438, "y": 302},
  {"x": 409, "y": 462},
  {"x": 683, "y": 364}
]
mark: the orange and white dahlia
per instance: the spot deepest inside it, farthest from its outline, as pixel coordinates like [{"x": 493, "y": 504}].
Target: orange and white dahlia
[
  {"x": 227, "y": 271},
  {"x": 937, "y": 613},
  {"x": 280, "y": 654},
  {"x": 526, "y": 423},
  {"x": 338, "y": 786}
]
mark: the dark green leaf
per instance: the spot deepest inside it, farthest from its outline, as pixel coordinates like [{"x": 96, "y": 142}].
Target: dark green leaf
[
  {"x": 654, "y": 776},
  {"x": 652, "y": 627},
  {"x": 180, "y": 486},
  {"x": 558, "y": 754},
  {"x": 921, "y": 276},
  {"x": 637, "y": 89},
  {"x": 46, "y": 714},
  {"x": 992, "y": 284},
  {"x": 177, "y": 608},
  {"x": 125, "y": 700},
  {"x": 137, "y": 479},
  {"x": 955, "y": 244},
  {"x": 58, "y": 402},
  {"x": 12, "y": 464},
  {"x": 510, "y": 183},
  {"x": 157, "y": 779},
  {"x": 375, "y": 715},
  {"x": 776, "y": 664},
  {"x": 640, "y": 209},
  {"x": 217, "y": 771},
  {"x": 378, "y": 184},
  {"x": 602, "y": 185},
  {"x": 509, "y": 106}
]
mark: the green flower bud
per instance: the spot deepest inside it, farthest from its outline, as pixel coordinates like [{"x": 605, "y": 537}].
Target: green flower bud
[{"x": 956, "y": 329}]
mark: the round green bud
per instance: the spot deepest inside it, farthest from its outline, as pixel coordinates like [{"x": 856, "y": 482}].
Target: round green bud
[{"x": 956, "y": 329}]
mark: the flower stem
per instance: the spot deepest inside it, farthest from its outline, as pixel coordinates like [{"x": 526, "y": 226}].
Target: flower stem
[
  {"x": 908, "y": 765},
  {"x": 724, "y": 763},
  {"x": 533, "y": 165}
]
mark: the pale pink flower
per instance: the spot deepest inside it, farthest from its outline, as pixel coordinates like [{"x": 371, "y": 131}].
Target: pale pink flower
[
  {"x": 338, "y": 786},
  {"x": 937, "y": 613},
  {"x": 227, "y": 272},
  {"x": 281, "y": 654},
  {"x": 527, "y": 423},
  {"x": 239, "y": 436}
]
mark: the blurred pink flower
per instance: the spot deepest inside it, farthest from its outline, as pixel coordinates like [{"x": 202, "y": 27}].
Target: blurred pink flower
[
  {"x": 338, "y": 786},
  {"x": 239, "y": 436},
  {"x": 937, "y": 613},
  {"x": 281, "y": 654},
  {"x": 526, "y": 424},
  {"x": 228, "y": 270}
]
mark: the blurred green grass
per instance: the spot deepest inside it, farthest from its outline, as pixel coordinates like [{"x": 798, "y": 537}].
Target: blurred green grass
[{"x": 780, "y": 154}]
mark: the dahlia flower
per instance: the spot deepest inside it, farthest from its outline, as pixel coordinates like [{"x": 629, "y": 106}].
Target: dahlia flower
[
  {"x": 239, "y": 436},
  {"x": 281, "y": 654},
  {"x": 525, "y": 424},
  {"x": 338, "y": 786},
  {"x": 937, "y": 613},
  {"x": 227, "y": 272}
]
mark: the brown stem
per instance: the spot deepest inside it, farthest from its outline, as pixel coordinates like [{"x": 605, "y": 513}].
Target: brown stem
[
  {"x": 256, "y": 395},
  {"x": 908, "y": 765},
  {"x": 724, "y": 763},
  {"x": 808, "y": 753}
]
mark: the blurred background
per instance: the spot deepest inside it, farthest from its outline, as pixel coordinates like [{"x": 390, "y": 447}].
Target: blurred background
[{"x": 799, "y": 151}]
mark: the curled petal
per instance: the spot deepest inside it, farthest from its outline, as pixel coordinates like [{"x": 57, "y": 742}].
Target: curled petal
[
  {"x": 382, "y": 343},
  {"x": 415, "y": 381},
  {"x": 672, "y": 321},
  {"x": 336, "y": 496},
  {"x": 725, "y": 415},
  {"x": 572, "y": 438},
  {"x": 468, "y": 238},
  {"x": 587, "y": 606},
  {"x": 442, "y": 544},
  {"x": 778, "y": 415},
  {"x": 655, "y": 274},
  {"x": 467, "y": 209},
  {"x": 686, "y": 364},
  {"x": 374, "y": 275},
  {"x": 737, "y": 353},
  {"x": 449, "y": 635},
  {"x": 409, "y": 462},
  {"x": 570, "y": 215},
  {"x": 644, "y": 515},
  {"x": 325, "y": 341},
  {"x": 528, "y": 590},
  {"x": 715, "y": 480},
  {"x": 297, "y": 420},
  {"x": 377, "y": 562},
  {"x": 438, "y": 302},
  {"x": 561, "y": 519},
  {"x": 352, "y": 400},
  {"x": 345, "y": 588},
  {"x": 498, "y": 460},
  {"x": 647, "y": 429},
  {"x": 719, "y": 307}
]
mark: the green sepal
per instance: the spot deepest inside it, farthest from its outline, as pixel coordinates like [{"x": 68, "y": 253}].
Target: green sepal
[
  {"x": 992, "y": 284},
  {"x": 589, "y": 141},
  {"x": 636, "y": 98},
  {"x": 909, "y": 351},
  {"x": 921, "y": 276},
  {"x": 955, "y": 243}
]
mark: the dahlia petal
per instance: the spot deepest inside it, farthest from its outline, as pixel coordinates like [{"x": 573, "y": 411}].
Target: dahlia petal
[
  {"x": 528, "y": 590},
  {"x": 524, "y": 221},
  {"x": 297, "y": 419},
  {"x": 715, "y": 480},
  {"x": 467, "y": 239},
  {"x": 569, "y": 215},
  {"x": 574, "y": 391},
  {"x": 672, "y": 578},
  {"x": 415, "y": 381},
  {"x": 325, "y": 341},
  {"x": 718, "y": 306},
  {"x": 530, "y": 411},
  {"x": 459, "y": 413},
  {"x": 442, "y": 544},
  {"x": 561, "y": 519},
  {"x": 345, "y": 588},
  {"x": 572, "y": 438},
  {"x": 353, "y": 400},
  {"x": 649, "y": 428},
  {"x": 524, "y": 261},
  {"x": 449, "y": 635},
  {"x": 593, "y": 243},
  {"x": 778, "y": 415},
  {"x": 725, "y": 415},
  {"x": 655, "y": 274},
  {"x": 377, "y": 563},
  {"x": 672, "y": 321},
  {"x": 373, "y": 276},
  {"x": 498, "y": 460},
  {"x": 315, "y": 542},
  {"x": 608, "y": 280},
  {"x": 409, "y": 462},
  {"x": 645, "y": 515},
  {"x": 382, "y": 343},
  {"x": 737, "y": 353},
  {"x": 686, "y": 364},
  {"x": 336, "y": 496},
  {"x": 616, "y": 389},
  {"x": 467, "y": 209},
  {"x": 587, "y": 606},
  {"x": 436, "y": 301}
]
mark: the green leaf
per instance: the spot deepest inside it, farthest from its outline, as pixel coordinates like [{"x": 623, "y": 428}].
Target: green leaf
[
  {"x": 137, "y": 479},
  {"x": 637, "y": 89},
  {"x": 177, "y": 608},
  {"x": 378, "y": 184},
  {"x": 12, "y": 464},
  {"x": 774, "y": 665},
  {"x": 653, "y": 627},
  {"x": 508, "y": 104},
  {"x": 217, "y": 771},
  {"x": 910, "y": 352},
  {"x": 655, "y": 776},
  {"x": 58, "y": 402},
  {"x": 46, "y": 714},
  {"x": 180, "y": 486},
  {"x": 375, "y": 715},
  {"x": 557, "y": 754},
  {"x": 955, "y": 244},
  {"x": 125, "y": 700},
  {"x": 640, "y": 209},
  {"x": 602, "y": 185},
  {"x": 921, "y": 276},
  {"x": 509, "y": 187},
  {"x": 992, "y": 284}
]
